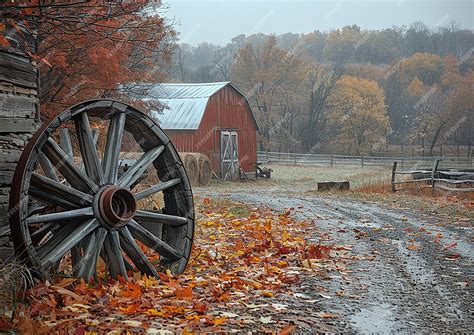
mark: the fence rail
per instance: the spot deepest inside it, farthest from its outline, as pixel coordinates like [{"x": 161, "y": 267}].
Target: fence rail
[
  {"x": 334, "y": 160},
  {"x": 447, "y": 180}
]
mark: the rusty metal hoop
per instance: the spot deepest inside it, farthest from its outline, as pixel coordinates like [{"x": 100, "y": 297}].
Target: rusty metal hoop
[{"x": 70, "y": 214}]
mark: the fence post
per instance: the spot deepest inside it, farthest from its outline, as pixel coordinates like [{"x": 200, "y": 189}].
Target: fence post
[
  {"x": 332, "y": 160},
  {"x": 433, "y": 175},
  {"x": 295, "y": 157},
  {"x": 394, "y": 169},
  {"x": 362, "y": 160}
]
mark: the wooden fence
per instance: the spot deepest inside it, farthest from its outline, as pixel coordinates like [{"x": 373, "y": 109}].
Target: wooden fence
[
  {"x": 453, "y": 180},
  {"x": 419, "y": 162}
]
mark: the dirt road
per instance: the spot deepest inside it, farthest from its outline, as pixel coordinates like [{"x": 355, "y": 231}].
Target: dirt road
[{"x": 417, "y": 276}]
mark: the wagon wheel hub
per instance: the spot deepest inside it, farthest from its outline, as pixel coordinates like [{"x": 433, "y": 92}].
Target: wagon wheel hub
[{"x": 115, "y": 207}]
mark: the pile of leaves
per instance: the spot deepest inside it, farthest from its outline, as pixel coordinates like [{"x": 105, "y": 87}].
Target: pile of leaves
[{"x": 245, "y": 262}]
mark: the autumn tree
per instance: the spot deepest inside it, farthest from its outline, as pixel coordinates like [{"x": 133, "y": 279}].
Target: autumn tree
[
  {"x": 359, "y": 116},
  {"x": 444, "y": 110},
  {"x": 451, "y": 75},
  {"x": 426, "y": 67},
  {"x": 313, "y": 43},
  {"x": 460, "y": 104},
  {"x": 341, "y": 44},
  {"x": 269, "y": 76},
  {"x": 87, "y": 49}
]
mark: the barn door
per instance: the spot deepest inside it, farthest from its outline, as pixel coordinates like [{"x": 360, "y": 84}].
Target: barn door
[{"x": 229, "y": 155}]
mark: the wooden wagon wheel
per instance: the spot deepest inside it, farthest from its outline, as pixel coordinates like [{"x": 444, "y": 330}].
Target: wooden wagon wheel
[{"x": 74, "y": 213}]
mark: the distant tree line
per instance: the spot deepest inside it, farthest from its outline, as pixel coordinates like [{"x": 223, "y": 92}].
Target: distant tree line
[{"x": 348, "y": 90}]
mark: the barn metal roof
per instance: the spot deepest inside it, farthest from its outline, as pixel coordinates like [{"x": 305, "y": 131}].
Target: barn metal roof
[
  {"x": 187, "y": 91},
  {"x": 184, "y": 103}
]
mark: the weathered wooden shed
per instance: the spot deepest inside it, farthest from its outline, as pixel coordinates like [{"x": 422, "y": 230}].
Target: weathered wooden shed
[
  {"x": 214, "y": 119},
  {"x": 19, "y": 118}
]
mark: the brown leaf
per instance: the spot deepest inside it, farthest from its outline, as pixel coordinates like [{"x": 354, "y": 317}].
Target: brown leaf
[
  {"x": 65, "y": 291},
  {"x": 66, "y": 282},
  {"x": 287, "y": 330},
  {"x": 413, "y": 247},
  {"x": 326, "y": 315}
]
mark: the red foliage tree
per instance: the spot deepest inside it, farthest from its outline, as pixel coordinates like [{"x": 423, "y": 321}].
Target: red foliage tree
[{"x": 89, "y": 49}]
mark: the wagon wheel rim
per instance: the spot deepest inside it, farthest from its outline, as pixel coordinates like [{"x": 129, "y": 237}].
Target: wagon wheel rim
[{"x": 88, "y": 215}]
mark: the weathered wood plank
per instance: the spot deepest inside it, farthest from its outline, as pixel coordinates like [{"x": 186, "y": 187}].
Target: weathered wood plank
[
  {"x": 17, "y": 70},
  {"x": 15, "y": 125},
  {"x": 17, "y": 106},
  {"x": 18, "y": 61},
  {"x": 9, "y": 88}
]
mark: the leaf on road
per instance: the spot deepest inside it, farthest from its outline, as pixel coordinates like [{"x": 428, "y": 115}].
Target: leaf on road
[
  {"x": 326, "y": 315},
  {"x": 413, "y": 247}
]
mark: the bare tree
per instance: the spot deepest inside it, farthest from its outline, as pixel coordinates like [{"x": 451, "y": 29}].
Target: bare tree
[{"x": 320, "y": 85}]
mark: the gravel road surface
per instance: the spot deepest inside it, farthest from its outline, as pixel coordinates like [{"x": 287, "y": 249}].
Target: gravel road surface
[{"x": 417, "y": 276}]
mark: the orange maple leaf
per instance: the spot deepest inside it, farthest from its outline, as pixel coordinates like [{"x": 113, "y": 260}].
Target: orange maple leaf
[
  {"x": 133, "y": 291},
  {"x": 130, "y": 309},
  {"x": 219, "y": 321},
  {"x": 184, "y": 292}
]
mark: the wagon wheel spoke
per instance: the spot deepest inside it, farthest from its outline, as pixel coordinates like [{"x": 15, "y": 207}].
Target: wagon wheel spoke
[
  {"x": 135, "y": 253},
  {"x": 112, "y": 147},
  {"x": 155, "y": 217},
  {"x": 128, "y": 266},
  {"x": 81, "y": 213},
  {"x": 114, "y": 255},
  {"x": 122, "y": 263},
  {"x": 63, "y": 241},
  {"x": 75, "y": 258},
  {"x": 157, "y": 188},
  {"x": 65, "y": 142},
  {"x": 78, "y": 252},
  {"x": 58, "y": 194},
  {"x": 95, "y": 138},
  {"x": 87, "y": 146},
  {"x": 137, "y": 169},
  {"x": 51, "y": 198},
  {"x": 47, "y": 167},
  {"x": 153, "y": 242},
  {"x": 75, "y": 177},
  {"x": 88, "y": 265}
]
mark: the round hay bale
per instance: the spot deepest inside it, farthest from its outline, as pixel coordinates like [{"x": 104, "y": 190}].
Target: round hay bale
[
  {"x": 205, "y": 170},
  {"x": 191, "y": 166}
]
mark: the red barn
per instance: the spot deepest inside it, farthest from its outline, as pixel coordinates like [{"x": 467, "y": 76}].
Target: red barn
[{"x": 214, "y": 119}]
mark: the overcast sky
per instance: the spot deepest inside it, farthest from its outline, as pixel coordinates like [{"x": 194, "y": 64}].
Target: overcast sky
[{"x": 219, "y": 21}]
